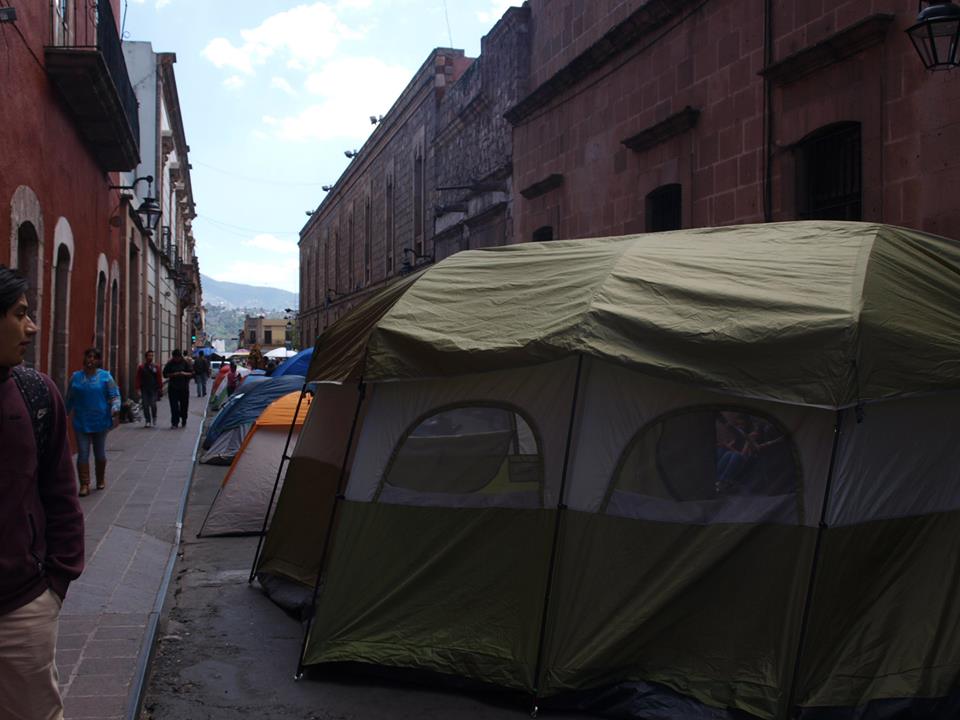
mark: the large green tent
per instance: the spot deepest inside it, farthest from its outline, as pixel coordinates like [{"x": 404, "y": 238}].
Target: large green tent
[{"x": 717, "y": 466}]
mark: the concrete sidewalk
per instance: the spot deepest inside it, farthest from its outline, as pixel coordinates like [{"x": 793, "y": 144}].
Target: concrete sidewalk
[{"x": 107, "y": 619}]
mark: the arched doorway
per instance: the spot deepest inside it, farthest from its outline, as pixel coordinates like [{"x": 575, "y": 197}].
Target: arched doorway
[
  {"x": 61, "y": 315},
  {"x": 101, "y": 311},
  {"x": 28, "y": 262},
  {"x": 114, "y": 327},
  {"x": 135, "y": 309}
]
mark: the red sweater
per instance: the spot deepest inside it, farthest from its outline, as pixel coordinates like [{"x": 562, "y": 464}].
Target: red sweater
[{"x": 41, "y": 524}]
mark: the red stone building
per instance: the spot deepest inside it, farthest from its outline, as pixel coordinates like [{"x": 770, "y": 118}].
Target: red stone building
[
  {"x": 434, "y": 178},
  {"x": 67, "y": 125},
  {"x": 70, "y": 134},
  {"x": 653, "y": 115},
  {"x": 585, "y": 119}
]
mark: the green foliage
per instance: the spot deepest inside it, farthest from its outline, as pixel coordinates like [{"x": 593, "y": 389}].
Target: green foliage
[{"x": 225, "y": 323}]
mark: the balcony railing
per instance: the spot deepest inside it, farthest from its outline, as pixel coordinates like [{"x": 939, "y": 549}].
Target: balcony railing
[{"x": 84, "y": 60}]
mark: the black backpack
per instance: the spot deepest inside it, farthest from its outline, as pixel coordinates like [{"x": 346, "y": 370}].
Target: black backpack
[{"x": 36, "y": 395}]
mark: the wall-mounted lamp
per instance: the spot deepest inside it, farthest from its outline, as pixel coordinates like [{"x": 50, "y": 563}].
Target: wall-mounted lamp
[
  {"x": 329, "y": 296},
  {"x": 309, "y": 213},
  {"x": 149, "y": 210},
  {"x": 936, "y": 36},
  {"x": 8, "y": 15},
  {"x": 351, "y": 153},
  {"x": 374, "y": 119},
  {"x": 409, "y": 263},
  {"x": 327, "y": 188}
]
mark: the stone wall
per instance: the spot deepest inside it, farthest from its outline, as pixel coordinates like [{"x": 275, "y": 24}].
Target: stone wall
[{"x": 595, "y": 91}]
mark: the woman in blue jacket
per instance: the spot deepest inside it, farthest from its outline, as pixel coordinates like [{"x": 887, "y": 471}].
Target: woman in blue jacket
[{"x": 94, "y": 401}]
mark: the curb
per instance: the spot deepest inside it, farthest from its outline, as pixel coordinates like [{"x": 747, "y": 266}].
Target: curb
[{"x": 145, "y": 657}]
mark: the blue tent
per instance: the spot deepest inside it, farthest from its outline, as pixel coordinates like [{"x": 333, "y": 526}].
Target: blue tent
[
  {"x": 246, "y": 404},
  {"x": 296, "y": 365}
]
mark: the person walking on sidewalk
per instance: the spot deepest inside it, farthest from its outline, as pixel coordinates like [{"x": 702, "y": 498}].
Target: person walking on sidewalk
[
  {"x": 94, "y": 400},
  {"x": 233, "y": 378},
  {"x": 149, "y": 383},
  {"x": 41, "y": 524},
  {"x": 201, "y": 371},
  {"x": 178, "y": 373}
]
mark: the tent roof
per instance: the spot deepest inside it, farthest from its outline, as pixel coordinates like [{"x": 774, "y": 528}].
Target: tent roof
[
  {"x": 817, "y": 313},
  {"x": 280, "y": 412},
  {"x": 297, "y": 365},
  {"x": 249, "y": 401}
]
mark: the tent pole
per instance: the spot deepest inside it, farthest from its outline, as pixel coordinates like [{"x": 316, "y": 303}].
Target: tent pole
[
  {"x": 788, "y": 710},
  {"x": 276, "y": 483},
  {"x": 561, "y": 506},
  {"x": 361, "y": 395}
]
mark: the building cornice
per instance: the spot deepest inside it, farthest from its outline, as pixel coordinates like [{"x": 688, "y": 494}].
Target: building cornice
[
  {"x": 842, "y": 44},
  {"x": 642, "y": 23}
]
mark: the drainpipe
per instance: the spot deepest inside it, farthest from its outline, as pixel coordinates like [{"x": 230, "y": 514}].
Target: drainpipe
[{"x": 767, "y": 113}]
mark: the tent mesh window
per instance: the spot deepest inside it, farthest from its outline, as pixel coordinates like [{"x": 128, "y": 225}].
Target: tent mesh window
[
  {"x": 467, "y": 455},
  {"x": 709, "y": 464}
]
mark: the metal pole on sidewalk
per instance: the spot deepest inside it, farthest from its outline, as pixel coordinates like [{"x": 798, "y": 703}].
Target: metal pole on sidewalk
[{"x": 284, "y": 458}]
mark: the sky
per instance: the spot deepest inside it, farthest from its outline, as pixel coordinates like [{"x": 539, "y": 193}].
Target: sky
[{"x": 272, "y": 93}]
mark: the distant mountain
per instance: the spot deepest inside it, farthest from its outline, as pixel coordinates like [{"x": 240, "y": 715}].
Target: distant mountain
[{"x": 237, "y": 295}]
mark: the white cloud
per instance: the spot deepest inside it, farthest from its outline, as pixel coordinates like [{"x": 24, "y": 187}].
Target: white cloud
[
  {"x": 305, "y": 34},
  {"x": 273, "y": 244},
  {"x": 281, "y": 274},
  {"x": 233, "y": 82},
  {"x": 282, "y": 84},
  {"x": 496, "y": 11},
  {"x": 345, "y": 106},
  {"x": 223, "y": 54},
  {"x": 162, "y": 3}
]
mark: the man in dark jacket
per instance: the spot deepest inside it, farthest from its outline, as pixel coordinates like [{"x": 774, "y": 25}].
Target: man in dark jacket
[
  {"x": 149, "y": 383},
  {"x": 201, "y": 371},
  {"x": 178, "y": 373},
  {"x": 41, "y": 525}
]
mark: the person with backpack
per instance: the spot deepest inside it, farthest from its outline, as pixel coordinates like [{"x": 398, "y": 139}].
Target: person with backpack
[
  {"x": 94, "y": 400},
  {"x": 149, "y": 383},
  {"x": 41, "y": 524},
  {"x": 178, "y": 372},
  {"x": 201, "y": 371}
]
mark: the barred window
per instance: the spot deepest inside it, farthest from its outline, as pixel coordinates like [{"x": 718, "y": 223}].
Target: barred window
[{"x": 829, "y": 177}]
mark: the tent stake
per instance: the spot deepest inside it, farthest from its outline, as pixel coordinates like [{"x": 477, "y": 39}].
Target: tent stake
[
  {"x": 561, "y": 506},
  {"x": 276, "y": 484}
]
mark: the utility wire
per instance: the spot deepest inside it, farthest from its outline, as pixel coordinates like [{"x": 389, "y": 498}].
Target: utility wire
[
  {"x": 446, "y": 15},
  {"x": 24, "y": 40},
  {"x": 287, "y": 183},
  {"x": 246, "y": 229}
]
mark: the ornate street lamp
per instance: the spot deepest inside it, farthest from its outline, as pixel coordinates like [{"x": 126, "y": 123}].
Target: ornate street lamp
[
  {"x": 149, "y": 210},
  {"x": 936, "y": 36}
]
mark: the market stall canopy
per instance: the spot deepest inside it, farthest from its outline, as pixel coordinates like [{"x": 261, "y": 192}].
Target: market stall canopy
[{"x": 280, "y": 353}]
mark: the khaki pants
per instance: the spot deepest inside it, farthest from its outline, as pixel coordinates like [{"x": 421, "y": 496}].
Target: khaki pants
[{"x": 28, "y": 674}]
